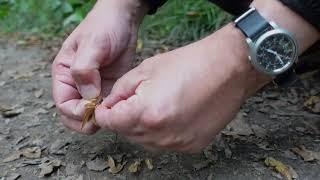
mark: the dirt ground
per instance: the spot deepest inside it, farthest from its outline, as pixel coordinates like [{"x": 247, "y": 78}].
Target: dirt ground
[{"x": 33, "y": 143}]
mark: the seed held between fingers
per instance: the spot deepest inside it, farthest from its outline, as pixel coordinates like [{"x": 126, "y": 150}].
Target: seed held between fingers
[{"x": 89, "y": 114}]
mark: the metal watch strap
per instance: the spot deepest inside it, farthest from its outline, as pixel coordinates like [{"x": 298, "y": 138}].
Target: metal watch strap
[{"x": 253, "y": 25}]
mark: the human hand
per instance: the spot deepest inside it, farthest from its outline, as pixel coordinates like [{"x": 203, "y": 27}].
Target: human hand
[
  {"x": 181, "y": 99},
  {"x": 94, "y": 56}
]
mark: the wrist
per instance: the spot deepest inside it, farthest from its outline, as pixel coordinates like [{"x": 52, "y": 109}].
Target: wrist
[
  {"x": 227, "y": 48},
  {"x": 273, "y": 10},
  {"x": 135, "y": 10},
  {"x": 251, "y": 79}
]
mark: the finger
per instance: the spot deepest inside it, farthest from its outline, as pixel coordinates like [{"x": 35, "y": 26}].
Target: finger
[
  {"x": 126, "y": 86},
  {"x": 122, "y": 118},
  {"x": 76, "y": 125},
  {"x": 85, "y": 68},
  {"x": 66, "y": 96}
]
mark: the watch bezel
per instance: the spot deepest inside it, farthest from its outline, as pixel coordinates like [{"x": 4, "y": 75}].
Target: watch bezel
[{"x": 255, "y": 45}]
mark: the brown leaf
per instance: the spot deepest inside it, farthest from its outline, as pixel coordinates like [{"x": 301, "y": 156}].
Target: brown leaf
[
  {"x": 32, "y": 153},
  {"x": 238, "y": 127},
  {"x": 135, "y": 167},
  {"x": 286, "y": 171},
  {"x": 12, "y": 157},
  {"x": 14, "y": 176},
  {"x": 97, "y": 165},
  {"x": 307, "y": 155},
  {"x": 12, "y": 113},
  {"x": 113, "y": 168},
  {"x": 39, "y": 93},
  {"x": 49, "y": 167},
  {"x": 313, "y": 104},
  {"x": 201, "y": 165},
  {"x": 148, "y": 163}
]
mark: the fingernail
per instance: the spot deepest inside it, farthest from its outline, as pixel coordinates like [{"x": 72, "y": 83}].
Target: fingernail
[{"x": 89, "y": 91}]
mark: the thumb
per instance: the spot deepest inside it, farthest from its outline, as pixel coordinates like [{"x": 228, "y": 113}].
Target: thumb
[
  {"x": 126, "y": 86},
  {"x": 85, "y": 70}
]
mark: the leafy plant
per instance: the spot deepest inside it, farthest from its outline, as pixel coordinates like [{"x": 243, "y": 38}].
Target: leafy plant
[{"x": 177, "y": 21}]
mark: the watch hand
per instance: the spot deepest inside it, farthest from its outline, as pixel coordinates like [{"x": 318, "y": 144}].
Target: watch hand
[
  {"x": 271, "y": 51},
  {"x": 279, "y": 58},
  {"x": 276, "y": 54}
]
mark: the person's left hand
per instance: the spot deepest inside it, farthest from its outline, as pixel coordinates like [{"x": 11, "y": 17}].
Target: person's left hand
[{"x": 181, "y": 99}]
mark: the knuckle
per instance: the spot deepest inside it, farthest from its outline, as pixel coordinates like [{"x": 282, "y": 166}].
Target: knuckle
[
  {"x": 154, "y": 118},
  {"x": 98, "y": 41},
  {"x": 171, "y": 142}
]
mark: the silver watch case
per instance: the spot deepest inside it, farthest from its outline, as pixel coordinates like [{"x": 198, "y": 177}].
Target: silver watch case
[{"x": 255, "y": 45}]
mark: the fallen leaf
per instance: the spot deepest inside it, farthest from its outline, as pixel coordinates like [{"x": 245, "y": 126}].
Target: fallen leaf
[
  {"x": 12, "y": 157},
  {"x": 12, "y": 113},
  {"x": 21, "y": 138},
  {"x": 201, "y": 165},
  {"x": 59, "y": 146},
  {"x": 313, "y": 104},
  {"x": 113, "y": 168},
  {"x": 49, "y": 167},
  {"x": 97, "y": 165},
  {"x": 149, "y": 163},
  {"x": 31, "y": 162},
  {"x": 40, "y": 111},
  {"x": 39, "y": 93},
  {"x": 307, "y": 155},
  {"x": 259, "y": 131},
  {"x": 32, "y": 153},
  {"x": 286, "y": 171},
  {"x": 139, "y": 44},
  {"x": 50, "y": 105},
  {"x": 135, "y": 167},
  {"x": 13, "y": 176},
  {"x": 238, "y": 127}
]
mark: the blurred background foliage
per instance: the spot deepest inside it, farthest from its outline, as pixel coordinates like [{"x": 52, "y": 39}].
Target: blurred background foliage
[{"x": 178, "y": 20}]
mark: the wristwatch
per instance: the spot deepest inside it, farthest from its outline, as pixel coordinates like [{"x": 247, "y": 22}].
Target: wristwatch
[{"x": 273, "y": 50}]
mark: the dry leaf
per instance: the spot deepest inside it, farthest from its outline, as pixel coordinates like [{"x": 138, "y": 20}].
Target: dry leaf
[
  {"x": 89, "y": 112},
  {"x": 201, "y": 165},
  {"x": 139, "y": 44},
  {"x": 13, "y": 176},
  {"x": 12, "y": 112},
  {"x": 39, "y": 93},
  {"x": 307, "y": 155},
  {"x": 286, "y": 171},
  {"x": 113, "y": 168},
  {"x": 313, "y": 104},
  {"x": 148, "y": 163},
  {"x": 238, "y": 127},
  {"x": 32, "y": 153},
  {"x": 12, "y": 157},
  {"x": 97, "y": 165},
  {"x": 48, "y": 168},
  {"x": 135, "y": 167}
]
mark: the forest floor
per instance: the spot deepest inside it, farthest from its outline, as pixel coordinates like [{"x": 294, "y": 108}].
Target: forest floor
[{"x": 33, "y": 143}]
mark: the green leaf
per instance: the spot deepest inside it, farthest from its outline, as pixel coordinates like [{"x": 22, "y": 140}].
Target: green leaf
[{"x": 76, "y": 17}]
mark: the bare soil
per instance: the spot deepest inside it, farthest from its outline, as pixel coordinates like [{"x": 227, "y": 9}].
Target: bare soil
[{"x": 269, "y": 125}]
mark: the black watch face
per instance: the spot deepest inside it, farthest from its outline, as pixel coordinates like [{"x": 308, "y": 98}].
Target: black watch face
[{"x": 276, "y": 52}]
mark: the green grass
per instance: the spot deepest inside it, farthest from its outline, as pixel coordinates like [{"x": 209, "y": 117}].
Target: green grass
[
  {"x": 184, "y": 20},
  {"x": 177, "y": 21}
]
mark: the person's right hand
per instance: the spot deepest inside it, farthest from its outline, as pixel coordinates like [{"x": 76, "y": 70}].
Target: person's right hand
[{"x": 94, "y": 56}]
